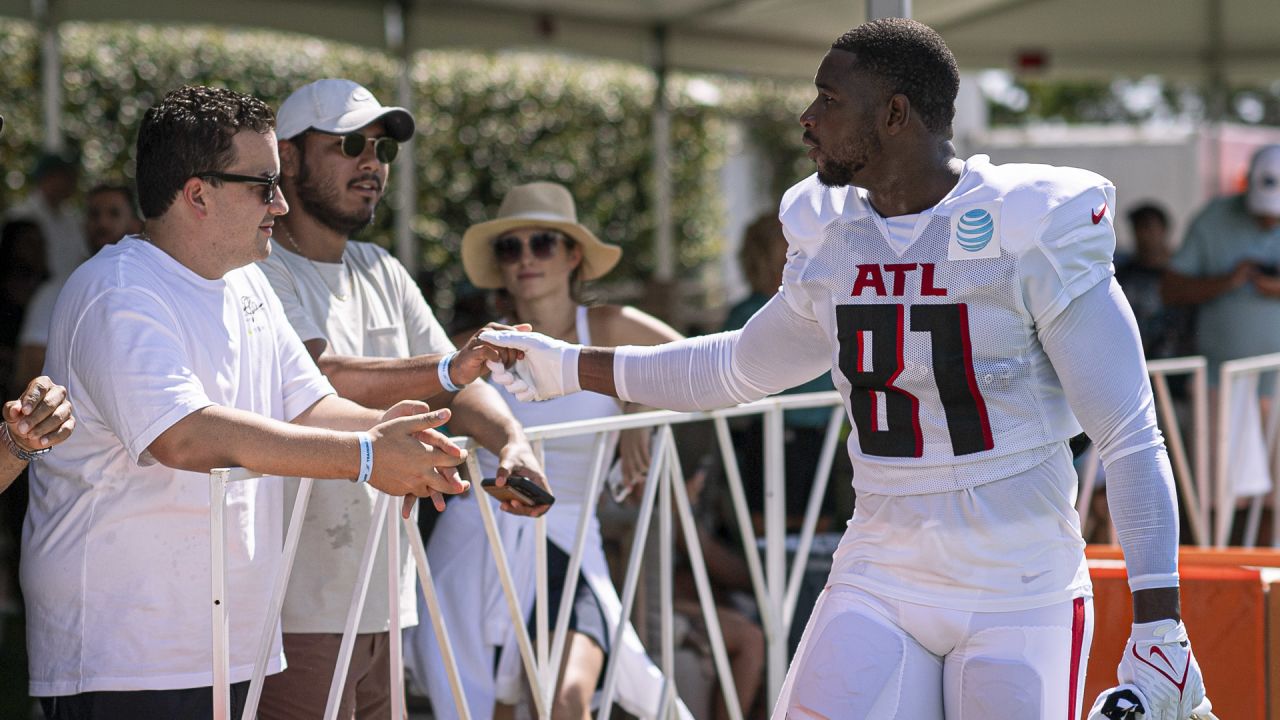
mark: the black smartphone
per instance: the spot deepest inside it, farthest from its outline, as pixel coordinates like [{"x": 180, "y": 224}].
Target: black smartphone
[
  {"x": 518, "y": 487},
  {"x": 1268, "y": 269}
]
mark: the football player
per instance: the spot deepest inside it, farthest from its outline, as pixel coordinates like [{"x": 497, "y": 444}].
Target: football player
[{"x": 968, "y": 314}]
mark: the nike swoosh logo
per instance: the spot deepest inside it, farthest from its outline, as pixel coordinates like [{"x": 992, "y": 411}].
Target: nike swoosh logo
[
  {"x": 1097, "y": 216},
  {"x": 1157, "y": 651},
  {"x": 1031, "y": 578}
]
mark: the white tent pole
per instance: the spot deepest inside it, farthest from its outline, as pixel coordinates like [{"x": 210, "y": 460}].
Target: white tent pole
[
  {"x": 406, "y": 176},
  {"x": 664, "y": 252},
  {"x": 50, "y": 73},
  {"x": 1216, "y": 92},
  {"x": 877, "y": 9}
]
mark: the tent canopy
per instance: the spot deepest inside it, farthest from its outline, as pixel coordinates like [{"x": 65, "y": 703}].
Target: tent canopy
[{"x": 779, "y": 38}]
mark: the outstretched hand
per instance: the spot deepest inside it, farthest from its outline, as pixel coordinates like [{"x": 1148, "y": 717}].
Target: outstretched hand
[
  {"x": 547, "y": 368},
  {"x": 471, "y": 362},
  {"x": 412, "y": 459}
]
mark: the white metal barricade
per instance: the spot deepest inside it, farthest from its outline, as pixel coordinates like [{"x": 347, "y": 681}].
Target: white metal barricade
[
  {"x": 1238, "y": 385},
  {"x": 1191, "y": 474},
  {"x": 389, "y": 512},
  {"x": 775, "y": 588}
]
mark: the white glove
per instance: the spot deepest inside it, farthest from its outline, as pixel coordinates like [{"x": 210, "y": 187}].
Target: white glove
[
  {"x": 549, "y": 368},
  {"x": 1158, "y": 661}
]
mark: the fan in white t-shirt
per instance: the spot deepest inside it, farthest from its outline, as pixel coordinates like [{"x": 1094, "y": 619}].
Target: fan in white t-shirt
[{"x": 180, "y": 359}]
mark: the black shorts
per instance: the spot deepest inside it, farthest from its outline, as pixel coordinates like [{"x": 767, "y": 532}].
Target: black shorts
[{"x": 186, "y": 703}]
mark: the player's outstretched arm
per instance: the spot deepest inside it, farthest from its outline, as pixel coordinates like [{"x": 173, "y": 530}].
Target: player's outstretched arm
[
  {"x": 777, "y": 349},
  {"x": 1111, "y": 395}
]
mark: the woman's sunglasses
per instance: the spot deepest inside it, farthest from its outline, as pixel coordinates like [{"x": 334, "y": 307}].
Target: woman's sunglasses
[
  {"x": 384, "y": 148},
  {"x": 510, "y": 248}
]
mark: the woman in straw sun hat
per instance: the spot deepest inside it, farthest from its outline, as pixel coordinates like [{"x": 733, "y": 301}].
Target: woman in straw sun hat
[{"x": 537, "y": 254}]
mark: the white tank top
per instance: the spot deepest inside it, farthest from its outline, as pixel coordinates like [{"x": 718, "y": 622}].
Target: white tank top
[{"x": 567, "y": 459}]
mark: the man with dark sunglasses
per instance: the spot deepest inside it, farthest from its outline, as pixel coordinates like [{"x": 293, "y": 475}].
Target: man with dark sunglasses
[
  {"x": 180, "y": 359},
  {"x": 368, "y": 327}
]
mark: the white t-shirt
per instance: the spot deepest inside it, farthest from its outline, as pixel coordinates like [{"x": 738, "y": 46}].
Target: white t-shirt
[
  {"x": 384, "y": 315},
  {"x": 115, "y": 552},
  {"x": 63, "y": 231},
  {"x": 39, "y": 314}
]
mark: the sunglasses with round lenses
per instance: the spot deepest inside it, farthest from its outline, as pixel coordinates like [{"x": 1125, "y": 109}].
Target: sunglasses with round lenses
[
  {"x": 509, "y": 248},
  {"x": 269, "y": 183},
  {"x": 384, "y": 148}
]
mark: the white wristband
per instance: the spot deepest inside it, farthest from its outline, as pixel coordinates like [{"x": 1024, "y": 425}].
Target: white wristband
[
  {"x": 442, "y": 371},
  {"x": 366, "y": 459}
]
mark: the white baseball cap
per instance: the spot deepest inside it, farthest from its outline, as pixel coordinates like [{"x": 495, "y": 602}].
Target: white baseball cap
[
  {"x": 338, "y": 106},
  {"x": 1263, "y": 197}
]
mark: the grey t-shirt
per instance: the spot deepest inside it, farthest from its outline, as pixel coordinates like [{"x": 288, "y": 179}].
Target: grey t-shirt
[
  {"x": 365, "y": 306},
  {"x": 1242, "y": 322}
]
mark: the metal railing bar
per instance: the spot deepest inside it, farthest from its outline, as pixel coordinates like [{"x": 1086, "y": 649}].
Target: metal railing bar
[
  {"x": 218, "y": 479},
  {"x": 540, "y": 589},
  {"x": 292, "y": 536},
  {"x": 437, "y": 621},
  {"x": 394, "y": 649},
  {"x": 508, "y": 585},
  {"x": 603, "y": 449},
  {"x": 698, "y": 563},
  {"x": 666, "y": 566},
  {"x": 356, "y": 608},
  {"x": 775, "y": 527},
  {"x": 1178, "y": 457},
  {"x": 750, "y": 547},
  {"x": 632, "y": 579},
  {"x": 817, "y": 493}
]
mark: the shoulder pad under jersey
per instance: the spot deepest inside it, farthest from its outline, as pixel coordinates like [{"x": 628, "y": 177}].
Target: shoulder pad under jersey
[
  {"x": 808, "y": 207},
  {"x": 1028, "y": 194}
]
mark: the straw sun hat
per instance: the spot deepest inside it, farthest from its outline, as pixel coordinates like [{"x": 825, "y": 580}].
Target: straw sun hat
[{"x": 541, "y": 205}]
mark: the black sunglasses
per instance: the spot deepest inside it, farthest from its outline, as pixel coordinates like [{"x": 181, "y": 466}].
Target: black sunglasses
[
  {"x": 384, "y": 148},
  {"x": 510, "y": 248},
  {"x": 269, "y": 183}
]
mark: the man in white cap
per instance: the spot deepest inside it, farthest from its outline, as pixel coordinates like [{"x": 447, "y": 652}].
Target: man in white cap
[
  {"x": 366, "y": 324},
  {"x": 1227, "y": 266}
]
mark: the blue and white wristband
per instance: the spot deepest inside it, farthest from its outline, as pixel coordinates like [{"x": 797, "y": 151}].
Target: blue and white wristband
[
  {"x": 366, "y": 458},
  {"x": 442, "y": 371}
]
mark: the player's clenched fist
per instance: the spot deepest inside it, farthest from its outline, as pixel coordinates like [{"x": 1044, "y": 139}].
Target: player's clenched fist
[{"x": 410, "y": 457}]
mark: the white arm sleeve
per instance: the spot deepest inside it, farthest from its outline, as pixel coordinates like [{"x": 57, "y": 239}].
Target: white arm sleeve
[
  {"x": 1096, "y": 351},
  {"x": 777, "y": 349}
]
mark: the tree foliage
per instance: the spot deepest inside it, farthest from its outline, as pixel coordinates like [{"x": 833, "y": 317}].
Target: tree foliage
[{"x": 486, "y": 123}]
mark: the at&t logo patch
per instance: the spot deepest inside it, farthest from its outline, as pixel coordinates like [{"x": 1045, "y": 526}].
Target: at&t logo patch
[{"x": 974, "y": 233}]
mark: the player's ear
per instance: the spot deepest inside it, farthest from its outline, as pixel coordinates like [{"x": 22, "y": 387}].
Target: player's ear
[{"x": 898, "y": 114}]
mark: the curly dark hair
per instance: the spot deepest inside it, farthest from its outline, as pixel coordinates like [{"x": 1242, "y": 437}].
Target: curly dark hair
[
  {"x": 190, "y": 131},
  {"x": 912, "y": 60}
]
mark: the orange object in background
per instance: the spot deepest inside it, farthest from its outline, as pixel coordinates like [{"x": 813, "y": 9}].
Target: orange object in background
[{"x": 1225, "y": 610}]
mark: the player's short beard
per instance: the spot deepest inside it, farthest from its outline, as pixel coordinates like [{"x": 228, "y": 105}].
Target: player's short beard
[
  {"x": 319, "y": 197},
  {"x": 840, "y": 172}
]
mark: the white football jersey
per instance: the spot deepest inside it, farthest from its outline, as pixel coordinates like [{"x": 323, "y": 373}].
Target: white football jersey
[{"x": 933, "y": 340}]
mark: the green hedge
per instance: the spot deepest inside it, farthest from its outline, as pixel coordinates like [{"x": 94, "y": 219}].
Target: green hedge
[{"x": 486, "y": 122}]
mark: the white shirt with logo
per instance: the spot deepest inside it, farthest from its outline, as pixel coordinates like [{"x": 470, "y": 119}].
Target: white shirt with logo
[
  {"x": 964, "y": 484},
  {"x": 115, "y": 555}
]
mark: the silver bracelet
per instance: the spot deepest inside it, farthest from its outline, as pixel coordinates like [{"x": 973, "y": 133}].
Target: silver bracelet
[{"x": 18, "y": 451}]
